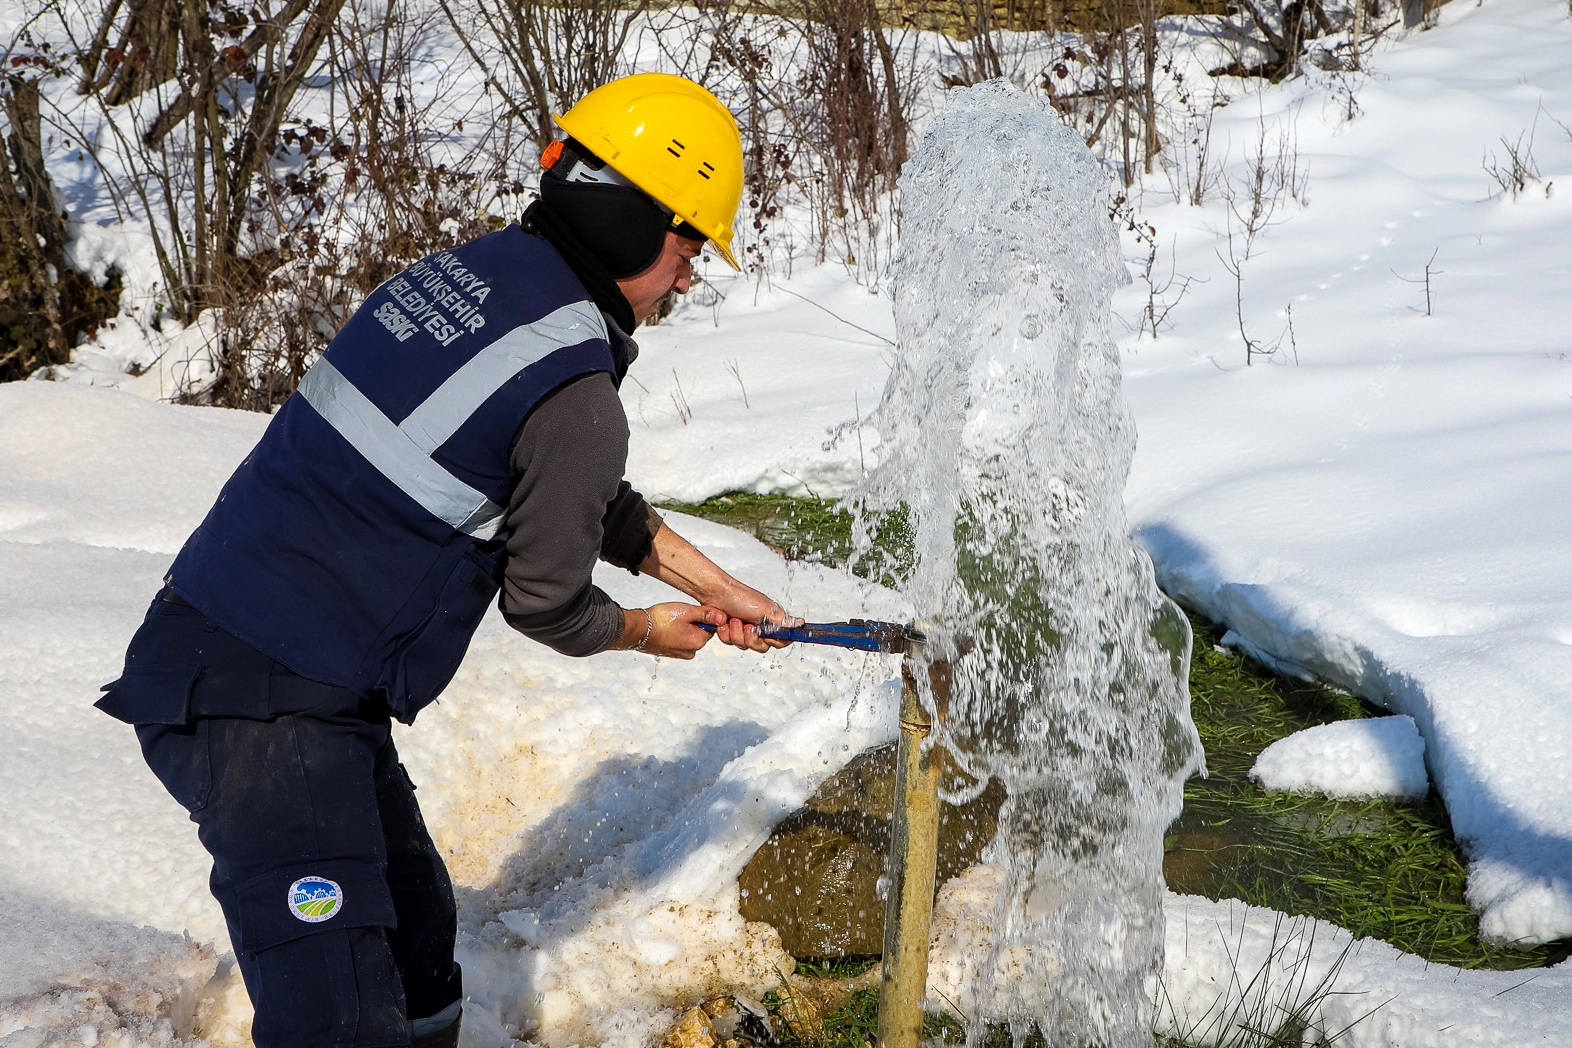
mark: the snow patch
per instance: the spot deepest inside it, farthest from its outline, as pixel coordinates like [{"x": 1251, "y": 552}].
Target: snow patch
[{"x": 1382, "y": 757}]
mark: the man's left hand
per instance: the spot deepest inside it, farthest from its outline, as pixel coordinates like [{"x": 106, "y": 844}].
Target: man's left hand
[{"x": 745, "y": 606}]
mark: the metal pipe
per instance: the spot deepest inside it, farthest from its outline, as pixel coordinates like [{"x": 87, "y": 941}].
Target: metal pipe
[{"x": 914, "y": 848}]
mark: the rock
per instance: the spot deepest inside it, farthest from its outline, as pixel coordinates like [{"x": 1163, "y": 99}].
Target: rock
[
  {"x": 801, "y": 1014},
  {"x": 738, "y": 1021},
  {"x": 816, "y": 879},
  {"x": 692, "y": 1030}
]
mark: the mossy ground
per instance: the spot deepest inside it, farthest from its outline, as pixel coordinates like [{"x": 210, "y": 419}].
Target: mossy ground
[{"x": 1387, "y": 870}]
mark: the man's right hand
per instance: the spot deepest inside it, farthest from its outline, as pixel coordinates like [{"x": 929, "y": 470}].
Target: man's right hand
[{"x": 670, "y": 628}]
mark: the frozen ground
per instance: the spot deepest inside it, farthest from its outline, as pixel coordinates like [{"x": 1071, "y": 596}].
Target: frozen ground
[
  {"x": 1356, "y": 759},
  {"x": 1389, "y": 513}
]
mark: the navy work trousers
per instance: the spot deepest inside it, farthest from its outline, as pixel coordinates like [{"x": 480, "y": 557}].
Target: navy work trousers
[{"x": 339, "y": 907}]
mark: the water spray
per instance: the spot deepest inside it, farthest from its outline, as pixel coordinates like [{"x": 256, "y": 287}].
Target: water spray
[{"x": 1006, "y": 441}]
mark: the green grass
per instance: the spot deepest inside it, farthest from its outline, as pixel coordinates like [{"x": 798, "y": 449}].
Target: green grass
[
  {"x": 1386, "y": 869},
  {"x": 1392, "y": 871},
  {"x": 856, "y": 1022},
  {"x": 811, "y": 529}
]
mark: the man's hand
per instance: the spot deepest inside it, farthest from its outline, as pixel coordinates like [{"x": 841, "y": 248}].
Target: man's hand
[
  {"x": 669, "y": 629},
  {"x": 675, "y": 562},
  {"x": 743, "y": 606}
]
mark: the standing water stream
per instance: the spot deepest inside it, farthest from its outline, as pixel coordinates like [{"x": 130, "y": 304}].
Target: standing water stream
[{"x": 1006, "y": 434}]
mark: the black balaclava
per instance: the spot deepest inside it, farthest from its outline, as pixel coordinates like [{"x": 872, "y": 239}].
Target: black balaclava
[
  {"x": 604, "y": 231},
  {"x": 592, "y": 273}
]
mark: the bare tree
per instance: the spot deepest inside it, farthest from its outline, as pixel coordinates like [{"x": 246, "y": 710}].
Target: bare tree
[
  {"x": 214, "y": 122},
  {"x": 553, "y": 52},
  {"x": 31, "y": 332}
]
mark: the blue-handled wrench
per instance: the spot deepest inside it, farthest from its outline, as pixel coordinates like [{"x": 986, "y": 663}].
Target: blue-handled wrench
[{"x": 862, "y": 634}]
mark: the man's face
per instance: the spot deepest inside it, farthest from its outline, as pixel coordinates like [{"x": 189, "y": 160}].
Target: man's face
[{"x": 672, "y": 271}]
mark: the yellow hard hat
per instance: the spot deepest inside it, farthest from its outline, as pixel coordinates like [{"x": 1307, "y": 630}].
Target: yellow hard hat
[{"x": 672, "y": 139}]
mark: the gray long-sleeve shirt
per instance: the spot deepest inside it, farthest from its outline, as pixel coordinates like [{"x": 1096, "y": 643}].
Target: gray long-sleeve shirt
[{"x": 569, "y": 507}]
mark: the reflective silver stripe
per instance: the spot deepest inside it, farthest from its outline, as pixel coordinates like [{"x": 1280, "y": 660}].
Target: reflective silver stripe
[
  {"x": 395, "y": 456},
  {"x": 440, "y": 415}
]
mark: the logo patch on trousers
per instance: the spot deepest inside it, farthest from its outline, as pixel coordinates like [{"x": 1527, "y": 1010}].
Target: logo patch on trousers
[{"x": 315, "y": 899}]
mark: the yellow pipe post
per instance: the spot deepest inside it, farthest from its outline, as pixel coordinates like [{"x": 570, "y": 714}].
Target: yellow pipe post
[{"x": 914, "y": 848}]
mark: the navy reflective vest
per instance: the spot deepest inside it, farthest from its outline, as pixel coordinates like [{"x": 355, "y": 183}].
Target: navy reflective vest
[{"x": 361, "y": 541}]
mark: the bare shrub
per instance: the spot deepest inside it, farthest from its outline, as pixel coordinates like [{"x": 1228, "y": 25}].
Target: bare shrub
[
  {"x": 823, "y": 91},
  {"x": 1233, "y": 262},
  {"x": 274, "y": 226},
  {"x": 1272, "y": 177},
  {"x": 44, "y": 304},
  {"x": 1192, "y": 166},
  {"x": 206, "y": 131},
  {"x": 551, "y": 52},
  {"x": 358, "y": 199},
  {"x": 1425, "y": 280},
  {"x": 1518, "y": 168}
]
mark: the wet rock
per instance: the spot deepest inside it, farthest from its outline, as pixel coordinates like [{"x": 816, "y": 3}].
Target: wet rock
[
  {"x": 693, "y": 1029},
  {"x": 801, "y": 1014},
  {"x": 737, "y": 1023},
  {"x": 817, "y": 878}
]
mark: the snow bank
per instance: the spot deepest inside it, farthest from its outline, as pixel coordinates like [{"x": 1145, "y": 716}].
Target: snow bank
[
  {"x": 106, "y": 981},
  {"x": 615, "y": 798},
  {"x": 1391, "y": 514},
  {"x": 1222, "y": 953},
  {"x": 1356, "y": 759}
]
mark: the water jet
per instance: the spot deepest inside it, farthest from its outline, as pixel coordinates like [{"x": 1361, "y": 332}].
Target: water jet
[{"x": 1006, "y": 437}]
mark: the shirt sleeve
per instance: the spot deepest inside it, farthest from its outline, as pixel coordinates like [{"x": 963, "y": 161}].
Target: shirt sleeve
[{"x": 569, "y": 506}]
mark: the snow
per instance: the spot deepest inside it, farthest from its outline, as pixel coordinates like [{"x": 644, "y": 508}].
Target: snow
[
  {"x": 810, "y": 356},
  {"x": 1381, "y": 504},
  {"x": 107, "y": 981},
  {"x": 1390, "y": 514},
  {"x": 1231, "y": 969},
  {"x": 1381, "y": 757},
  {"x": 614, "y": 799}
]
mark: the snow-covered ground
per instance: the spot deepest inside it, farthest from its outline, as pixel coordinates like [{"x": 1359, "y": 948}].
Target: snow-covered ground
[
  {"x": 595, "y": 813},
  {"x": 1382, "y": 503},
  {"x": 1391, "y": 513},
  {"x": 607, "y": 805}
]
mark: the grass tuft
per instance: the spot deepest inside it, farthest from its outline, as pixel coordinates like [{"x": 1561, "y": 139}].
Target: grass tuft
[{"x": 812, "y": 529}]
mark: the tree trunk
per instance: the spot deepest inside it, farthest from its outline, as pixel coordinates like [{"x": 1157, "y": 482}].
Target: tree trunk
[{"x": 32, "y": 244}]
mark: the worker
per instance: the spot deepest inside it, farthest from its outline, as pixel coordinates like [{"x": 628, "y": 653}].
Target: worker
[{"x": 462, "y": 436}]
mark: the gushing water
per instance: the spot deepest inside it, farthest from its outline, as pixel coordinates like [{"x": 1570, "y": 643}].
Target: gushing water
[{"x": 1006, "y": 434}]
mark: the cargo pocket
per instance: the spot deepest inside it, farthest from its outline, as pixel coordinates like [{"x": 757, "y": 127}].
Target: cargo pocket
[
  {"x": 424, "y": 661},
  {"x": 302, "y": 899}
]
